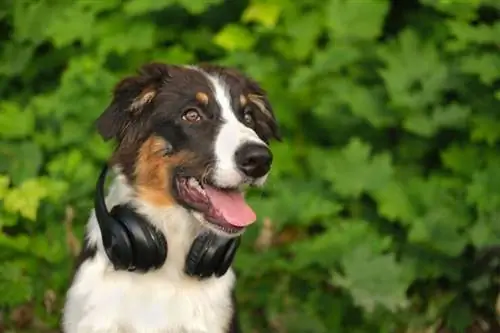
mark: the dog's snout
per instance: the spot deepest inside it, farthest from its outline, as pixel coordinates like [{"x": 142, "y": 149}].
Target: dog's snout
[{"x": 254, "y": 159}]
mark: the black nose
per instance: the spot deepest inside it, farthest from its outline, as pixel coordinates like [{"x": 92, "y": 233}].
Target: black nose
[{"x": 254, "y": 159}]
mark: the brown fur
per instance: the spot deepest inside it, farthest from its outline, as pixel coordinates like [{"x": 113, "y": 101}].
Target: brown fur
[
  {"x": 243, "y": 100},
  {"x": 202, "y": 98},
  {"x": 144, "y": 98},
  {"x": 153, "y": 172},
  {"x": 258, "y": 101}
]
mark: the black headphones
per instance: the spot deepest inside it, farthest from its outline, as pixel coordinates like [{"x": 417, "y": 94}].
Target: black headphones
[{"x": 133, "y": 244}]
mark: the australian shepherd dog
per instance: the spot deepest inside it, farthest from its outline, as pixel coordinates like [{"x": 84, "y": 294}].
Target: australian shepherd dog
[{"x": 189, "y": 140}]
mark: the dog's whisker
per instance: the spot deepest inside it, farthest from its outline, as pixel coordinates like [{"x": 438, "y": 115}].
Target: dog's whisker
[{"x": 206, "y": 174}]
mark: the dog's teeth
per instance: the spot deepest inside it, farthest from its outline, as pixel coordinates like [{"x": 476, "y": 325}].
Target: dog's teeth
[{"x": 195, "y": 184}]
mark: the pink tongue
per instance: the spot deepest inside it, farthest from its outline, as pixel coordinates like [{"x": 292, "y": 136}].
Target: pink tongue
[{"x": 232, "y": 206}]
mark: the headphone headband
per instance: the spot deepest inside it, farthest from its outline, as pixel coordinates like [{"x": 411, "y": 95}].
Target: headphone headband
[{"x": 101, "y": 211}]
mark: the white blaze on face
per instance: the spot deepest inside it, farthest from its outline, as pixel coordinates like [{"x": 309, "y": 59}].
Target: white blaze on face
[{"x": 231, "y": 136}]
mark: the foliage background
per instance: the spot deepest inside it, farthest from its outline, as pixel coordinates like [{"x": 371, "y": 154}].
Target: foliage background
[{"x": 384, "y": 201}]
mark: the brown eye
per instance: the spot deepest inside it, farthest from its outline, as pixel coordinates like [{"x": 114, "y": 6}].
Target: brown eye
[
  {"x": 247, "y": 117},
  {"x": 191, "y": 115}
]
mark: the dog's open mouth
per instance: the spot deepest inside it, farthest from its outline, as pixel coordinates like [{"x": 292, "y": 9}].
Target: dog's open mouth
[{"x": 225, "y": 209}]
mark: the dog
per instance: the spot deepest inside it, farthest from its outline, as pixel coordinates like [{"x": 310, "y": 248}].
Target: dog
[{"x": 189, "y": 140}]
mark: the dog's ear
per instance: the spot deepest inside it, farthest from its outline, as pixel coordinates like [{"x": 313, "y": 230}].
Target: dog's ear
[
  {"x": 131, "y": 97},
  {"x": 265, "y": 118}
]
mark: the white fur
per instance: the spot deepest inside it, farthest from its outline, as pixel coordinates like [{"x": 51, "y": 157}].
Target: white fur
[
  {"x": 164, "y": 301},
  {"x": 231, "y": 136}
]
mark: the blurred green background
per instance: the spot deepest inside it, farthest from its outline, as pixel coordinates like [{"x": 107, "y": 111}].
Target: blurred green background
[{"x": 385, "y": 193}]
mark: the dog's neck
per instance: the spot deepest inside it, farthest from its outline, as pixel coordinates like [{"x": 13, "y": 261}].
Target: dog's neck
[{"x": 178, "y": 225}]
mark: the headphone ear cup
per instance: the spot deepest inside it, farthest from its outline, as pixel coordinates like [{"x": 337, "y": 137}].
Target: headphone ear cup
[
  {"x": 118, "y": 246},
  {"x": 211, "y": 254},
  {"x": 161, "y": 247},
  {"x": 147, "y": 245},
  {"x": 229, "y": 251},
  {"x": 196, "y": 265}
]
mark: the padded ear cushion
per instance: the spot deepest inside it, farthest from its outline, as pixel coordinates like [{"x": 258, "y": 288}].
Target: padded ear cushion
[
  {"x": 161, "y": 247},
  {"x": 117, "y": 245},
  {"x": 196, "y": 265},
  {"x": 148, "y": 245},
  {"x": 210, "y": 254},
  {"x": 228, "y": 253}
]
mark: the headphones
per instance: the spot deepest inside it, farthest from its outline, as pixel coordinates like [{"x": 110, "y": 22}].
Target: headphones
[{"x": 133, "y": 244}]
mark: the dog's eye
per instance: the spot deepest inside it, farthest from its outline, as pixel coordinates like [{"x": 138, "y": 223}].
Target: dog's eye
[
  {"x": 248, "y": 117},
  {"x": 191, "y": 115}
]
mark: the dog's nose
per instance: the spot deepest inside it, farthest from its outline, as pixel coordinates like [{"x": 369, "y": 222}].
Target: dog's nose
[{"x": 254, "y": 159}]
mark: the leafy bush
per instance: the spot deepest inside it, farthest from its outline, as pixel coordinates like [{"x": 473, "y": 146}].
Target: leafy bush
[{"x": 384, "y": 192}]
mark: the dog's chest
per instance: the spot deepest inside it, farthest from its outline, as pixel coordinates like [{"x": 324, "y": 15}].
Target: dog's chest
[{"x": 128, "y": 303}]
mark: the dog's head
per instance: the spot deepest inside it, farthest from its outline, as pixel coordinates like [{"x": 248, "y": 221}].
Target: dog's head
[{"x": 192, "y": 136}]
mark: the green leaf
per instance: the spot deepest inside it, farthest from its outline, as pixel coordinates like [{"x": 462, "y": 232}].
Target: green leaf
[
  {"x": 138, "y": 7},
  {"x": 484, "y": 189},
  {"x": 98, "y": 148},
  {"x": 15, "y": 57},
  {"x": 286, "y": 158},
  {"x": 16, "y": 286},
  {"x": 264, "y": 12},
  {"x": 117, "y": 35},
  {"x": 52, "y": 252},
  {"x": 72, "y": 23},
  {"x": 464, "y": 10},
  {"x": 420, "y": 124},
  {"x": 4, "y": 186},
  {"x": 22, "y": 160},
  {"x": 355, "y": 19},
  {"x": 374, "y": 280},
  {"x": 394, "y": 203},
  {"x": 452, "y": 115},
  {"x": 176, "y": 54},
  {"x": 439, "y": 227},
  {"x": 486, "y": 66},
  {"x": 463, "y": 160},
  {"x": 98, "y": 6},
  {"x": 26, "y": 198},
  {"x": 234, "y": 37},
  {"x": 15, "y": 123},
  {"x": 312, "y": 207},
  {"x": 197, "y": 7},
  {"x": 303, "y": 31},
  {"x": 466, "y": 34},
  {"x": 485, "y": 232},
  {"x": 335, "y": 57},
  {"x": 353, "y": 171},
  {"x": 336, "y": 241},
  {"x": 437, "y": 231},
  {"x": 72, "y": 132},
  {"x": 414, "y": 74},
  {"x": 74, "y": 168},
  {"x": 26, "y": 20},
  {"x": 365, "y": 103},
  {"x": 18, "y": 243},
  {"x": 485, "y": 129},
  {"x": 459, "y": 317}
]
